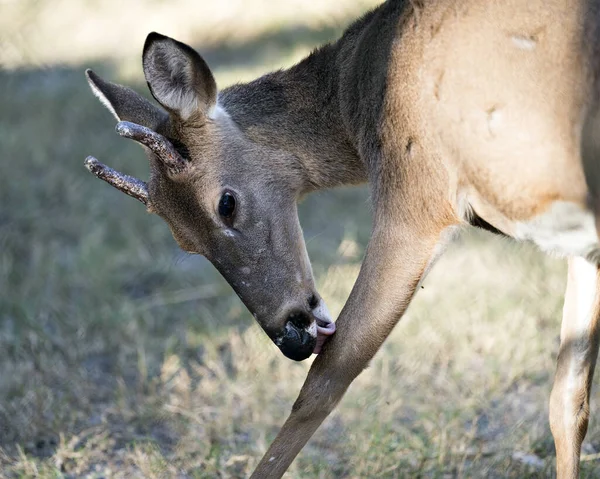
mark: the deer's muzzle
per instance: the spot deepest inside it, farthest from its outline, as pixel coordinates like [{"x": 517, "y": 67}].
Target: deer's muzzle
[{"x": 299, "y": 337}]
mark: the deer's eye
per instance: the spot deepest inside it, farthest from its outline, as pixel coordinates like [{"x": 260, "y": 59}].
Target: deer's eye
[{"x": 227, "y": 206}]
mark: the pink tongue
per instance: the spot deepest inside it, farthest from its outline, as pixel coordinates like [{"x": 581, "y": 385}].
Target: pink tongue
[{"x": 323, "y": 334}]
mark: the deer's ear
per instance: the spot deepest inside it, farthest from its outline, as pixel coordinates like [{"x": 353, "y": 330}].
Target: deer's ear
[
  {"x": 178, "y": 77},
  {"x": 124, "y": 103}
]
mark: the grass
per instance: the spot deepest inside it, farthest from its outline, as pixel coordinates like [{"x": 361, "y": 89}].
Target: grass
[{"x": 121, "y": 357}]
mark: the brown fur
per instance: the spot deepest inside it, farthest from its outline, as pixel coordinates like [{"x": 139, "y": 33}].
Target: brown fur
[{"x": 454, "y": 111}]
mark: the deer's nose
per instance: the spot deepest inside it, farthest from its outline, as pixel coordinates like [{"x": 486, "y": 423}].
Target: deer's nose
[{"x": 298, "y": 339}]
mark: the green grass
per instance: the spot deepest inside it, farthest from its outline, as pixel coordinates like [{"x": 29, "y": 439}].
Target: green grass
[{"x": 122, "y": 357}]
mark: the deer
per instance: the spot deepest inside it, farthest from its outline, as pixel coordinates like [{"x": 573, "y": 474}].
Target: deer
[{"x": 456, "y": 113}]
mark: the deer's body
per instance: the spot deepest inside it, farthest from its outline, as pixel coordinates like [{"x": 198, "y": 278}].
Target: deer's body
[
  {"x": 456, "y": 112},
  {"x": 486, "y": 90}
]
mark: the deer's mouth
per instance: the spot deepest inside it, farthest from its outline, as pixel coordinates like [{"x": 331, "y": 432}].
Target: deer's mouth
[
  {"x": 305, "y": 333},
  {"x": 325, "y": 328}
]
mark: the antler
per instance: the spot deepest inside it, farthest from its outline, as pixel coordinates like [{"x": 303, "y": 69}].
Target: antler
[
  {"x": 127, "y": 184},
  {"x": 159, "y": 145}
]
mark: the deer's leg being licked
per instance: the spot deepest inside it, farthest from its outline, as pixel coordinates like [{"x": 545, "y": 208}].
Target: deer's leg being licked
[
  {"x": 398, "y": 255},
  {"x": 375, "y": 306},
  {"x": 569, "y": 401}
]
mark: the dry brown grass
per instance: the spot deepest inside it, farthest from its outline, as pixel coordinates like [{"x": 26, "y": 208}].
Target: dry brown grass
[{"x": 122, "y": 358}]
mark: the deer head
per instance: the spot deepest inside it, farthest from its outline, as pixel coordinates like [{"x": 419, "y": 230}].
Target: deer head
[{"x": 218, "y": 194}]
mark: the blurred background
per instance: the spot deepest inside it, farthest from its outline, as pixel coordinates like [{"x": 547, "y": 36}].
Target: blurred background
[{"x": 122, "y": 357}]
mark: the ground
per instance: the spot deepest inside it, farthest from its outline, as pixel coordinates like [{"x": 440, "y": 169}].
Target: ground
[{"x": 122, "y": 357}]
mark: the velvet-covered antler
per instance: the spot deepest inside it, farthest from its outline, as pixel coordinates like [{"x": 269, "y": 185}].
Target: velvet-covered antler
[
  {"x": 127, "y": 184},
  {"x": 158, "y": 144}
]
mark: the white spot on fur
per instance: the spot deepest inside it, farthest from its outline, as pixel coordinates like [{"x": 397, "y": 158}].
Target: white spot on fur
[
  {"x": 298, "y": 277},
  {"x": 217, "y": 112},
  {"x": 228, "y": 233},
  {"x": 494, "y": 117},
  {"x": 245, "y": 270},
  {"x": 565, "y": 229},
  {"x": 272, "y": 458},
  {"x": 524, "y": 43}
]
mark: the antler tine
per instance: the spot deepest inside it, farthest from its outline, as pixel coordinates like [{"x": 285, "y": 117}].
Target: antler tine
[
  {"x": 159, "y": 145},
  {"x": 127, "y": 184}
]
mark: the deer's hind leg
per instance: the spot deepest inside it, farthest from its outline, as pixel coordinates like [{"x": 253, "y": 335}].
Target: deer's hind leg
[{"x": 579, "y": 338}]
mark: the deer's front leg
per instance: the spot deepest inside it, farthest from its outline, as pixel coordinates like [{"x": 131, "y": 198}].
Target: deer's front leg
[
  {"x": 569, "y": 402},
  {"x": 396, "y": 259}
]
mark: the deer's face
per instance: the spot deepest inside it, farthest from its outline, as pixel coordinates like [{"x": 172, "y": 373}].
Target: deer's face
[
  {"x": 244, "y": 219},
  {"x": 210, "y": 184}
]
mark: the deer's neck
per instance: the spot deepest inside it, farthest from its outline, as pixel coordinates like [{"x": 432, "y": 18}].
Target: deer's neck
[{"x": 297, "y": 111}]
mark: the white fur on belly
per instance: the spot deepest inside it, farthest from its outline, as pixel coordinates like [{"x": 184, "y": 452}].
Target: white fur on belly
[{"x": 566, "y": 229}]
